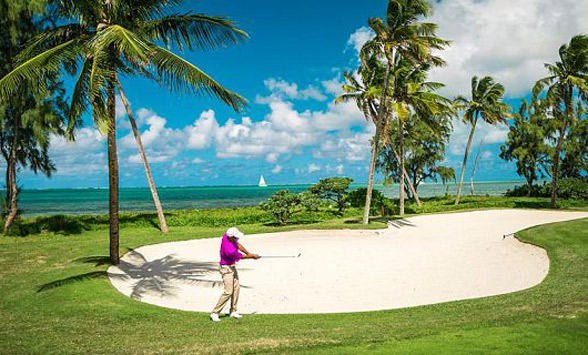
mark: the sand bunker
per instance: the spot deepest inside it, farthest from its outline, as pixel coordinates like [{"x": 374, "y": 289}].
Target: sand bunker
[{"x": 420, "y": 260}]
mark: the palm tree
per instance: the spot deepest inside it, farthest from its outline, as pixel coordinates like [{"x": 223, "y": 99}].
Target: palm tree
[
  {"x": 413, "y": 96},
  {"x": 119, "y": 37},
  {"x": 364, "y": 91},
  {"x": 486, "y": 103},
  {"x": 446, "y": 174},
  {"x": 567, "y": 78},
  {"x": 152, "y": 187},
  {"x": 400, "y": 34}
]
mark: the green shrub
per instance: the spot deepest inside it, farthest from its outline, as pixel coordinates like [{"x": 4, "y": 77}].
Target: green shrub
[
  {"x": 332, "y": 189},
  {"x": 283, "y": 204},
  {"x": 567, "y": 188},
  {"x": 536, "y": 191},
  {"x": 381, "y": 204},
  {"x": 573, "y": 189}
]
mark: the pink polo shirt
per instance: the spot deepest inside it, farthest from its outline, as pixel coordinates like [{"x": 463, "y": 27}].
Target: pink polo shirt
[{"x": 229, "y": 252}]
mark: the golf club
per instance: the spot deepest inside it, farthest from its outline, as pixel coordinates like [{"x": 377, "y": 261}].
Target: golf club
[
  {"x": 508, "y": 235},
  {"x": 280, "y": 256}
]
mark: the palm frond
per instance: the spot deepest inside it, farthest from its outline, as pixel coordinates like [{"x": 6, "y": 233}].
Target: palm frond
[
  {"x": 195, "y": 31},
  {"x": 180, "y": 75}
]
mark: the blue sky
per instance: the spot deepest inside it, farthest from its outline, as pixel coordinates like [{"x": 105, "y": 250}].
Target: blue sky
[{"x": 290, "y": 71}]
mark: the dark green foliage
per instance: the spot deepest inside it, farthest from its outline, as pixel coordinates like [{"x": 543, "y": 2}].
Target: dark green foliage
[
  {"x": 573, "y": 189},
  {"x": 332, "y": 189},
  {"x": 381, "y": 205},
  {"x": 283, "y": 204},
  {"x": 529, "y": 191},
  {"x": 568, "y": 189},
  {"x": 425, "y": 140},
  {"x": 526, "y": 143}
]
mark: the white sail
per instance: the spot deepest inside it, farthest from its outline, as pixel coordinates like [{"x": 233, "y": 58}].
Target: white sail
[{"x": 262, "y": 182}]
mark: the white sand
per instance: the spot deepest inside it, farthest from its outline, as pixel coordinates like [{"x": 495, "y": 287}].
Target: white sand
[{"x": 421, "y": 260}]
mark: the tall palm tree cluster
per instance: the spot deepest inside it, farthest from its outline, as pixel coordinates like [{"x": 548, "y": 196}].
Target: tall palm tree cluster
[
  {"x": 100, "y": 41},
  {"x": 390, "y": 87}
]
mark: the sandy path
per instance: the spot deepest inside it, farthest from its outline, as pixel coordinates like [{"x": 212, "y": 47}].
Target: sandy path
[{"x": 421, "y": 260}]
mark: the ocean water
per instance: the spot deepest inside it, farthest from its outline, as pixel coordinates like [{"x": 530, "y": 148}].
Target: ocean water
[{"x": 95, "y": 201}]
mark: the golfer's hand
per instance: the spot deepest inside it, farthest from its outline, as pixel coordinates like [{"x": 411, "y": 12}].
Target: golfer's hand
[{"x": 255, "y": 256}]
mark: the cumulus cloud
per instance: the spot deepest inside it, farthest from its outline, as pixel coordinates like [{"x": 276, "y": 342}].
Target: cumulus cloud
[
  {"x": 485, "y": 135},
  {"x": 277, "y": 169},
  {"x": 359, "y": 37},
  {"x": 281, "y": 89},
  {"x": 509, "y": 40},
  {"x": 313, "y": 168},
  {"x": 201, "y": 133}
]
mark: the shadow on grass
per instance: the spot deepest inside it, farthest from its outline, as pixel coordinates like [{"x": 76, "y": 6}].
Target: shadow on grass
[
  {"x": 72, "y": 279},
  {"x": 98, "y": 260}
]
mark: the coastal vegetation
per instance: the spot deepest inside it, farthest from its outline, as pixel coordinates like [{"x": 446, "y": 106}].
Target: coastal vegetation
[{"x": 34, "y": 113}]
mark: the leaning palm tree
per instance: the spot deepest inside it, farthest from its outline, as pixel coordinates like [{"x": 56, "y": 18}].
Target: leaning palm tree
[
  {"x": 402, "y": 34},
  {"x": 567, "y": 78},
  {"x": 152, "y": 187},
  {"x": 486, "y": 103},
  {"x": 108, "y": 38}
]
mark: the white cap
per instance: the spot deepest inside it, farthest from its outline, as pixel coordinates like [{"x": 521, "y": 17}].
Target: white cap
[{"x": 234, "y": 233}]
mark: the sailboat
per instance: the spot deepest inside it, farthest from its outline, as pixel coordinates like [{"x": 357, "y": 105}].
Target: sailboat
[{"x": 262, "y": 182}]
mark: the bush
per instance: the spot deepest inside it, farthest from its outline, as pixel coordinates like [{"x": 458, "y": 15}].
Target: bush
[
  {"x": 567, "y": 188},
  {"x": 283, "y": 204},
  {"x": 333, "y": 189},
  {"x": 380, "y": 204},
  {"x": 536, "y": 191},
  {"x": 573, "y": 189}
]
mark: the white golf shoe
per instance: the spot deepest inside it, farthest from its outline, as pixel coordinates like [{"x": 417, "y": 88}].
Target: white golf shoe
[
  {"x": 236, "y": 315},
  {"x": 214, "y": 317}
]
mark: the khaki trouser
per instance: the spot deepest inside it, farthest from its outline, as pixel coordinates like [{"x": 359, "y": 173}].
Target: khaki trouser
[{"x": 231, "y": 291}]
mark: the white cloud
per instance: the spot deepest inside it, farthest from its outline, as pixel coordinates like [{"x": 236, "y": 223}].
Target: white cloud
[
  {"x": 359, "y": 37},
  {"x": 84, "y": 156},
  {"x": 281, "y": 89},
  {"x": 485, "y": 134},
  {"x": 354, "y": 147},
  {"x": 198, "y": 161},
  {"x": 333, "y": 86},
  {"x": 313, "y": 168},
  {"x": 337, "y": 169},
  {"x": 508, "y": 40},
  {"x": 272, "y": 157},
  {"x": 277, "y": 169},
  {"x": 202, "y": 132}
]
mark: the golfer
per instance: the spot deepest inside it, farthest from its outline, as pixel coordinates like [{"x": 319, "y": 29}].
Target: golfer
[{"x": 230, "y": 254}]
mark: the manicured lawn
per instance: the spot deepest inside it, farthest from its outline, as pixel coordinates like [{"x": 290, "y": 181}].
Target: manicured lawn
[{"x": 78, "y": 311}]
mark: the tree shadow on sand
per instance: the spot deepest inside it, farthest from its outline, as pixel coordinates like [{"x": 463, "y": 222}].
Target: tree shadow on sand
[{"x": 147, "y": 277}]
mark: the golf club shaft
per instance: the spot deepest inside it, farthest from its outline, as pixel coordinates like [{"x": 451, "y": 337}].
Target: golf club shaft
[{"x": 279, "y": 256}]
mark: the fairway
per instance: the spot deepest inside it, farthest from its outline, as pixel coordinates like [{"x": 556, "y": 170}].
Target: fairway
[{"x": 415, "y": 261}]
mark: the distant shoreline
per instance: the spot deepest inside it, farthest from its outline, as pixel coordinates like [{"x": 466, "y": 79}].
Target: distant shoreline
[{"x": 355, "y": 185}]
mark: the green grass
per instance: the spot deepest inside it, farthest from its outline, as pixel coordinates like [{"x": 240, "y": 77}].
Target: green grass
[{"x": 84, "y": 314}]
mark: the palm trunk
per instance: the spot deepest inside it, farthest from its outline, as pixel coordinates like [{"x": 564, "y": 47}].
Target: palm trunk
[
  {"x": 465, "y": 160},
  {"x": 408, "y": 180},
  {"x": 555, "y": 167},
  {"x": 113, "y": 177},
  {"x": 11, "y": 176},
  {"x": 380, "y": 118},
  {"x": 156, "y": 201},
  {"x": 401, "y": 162}
]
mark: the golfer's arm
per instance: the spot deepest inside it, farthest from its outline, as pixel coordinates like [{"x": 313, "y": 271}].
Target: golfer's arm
[{"x": 242, "y": 249}]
